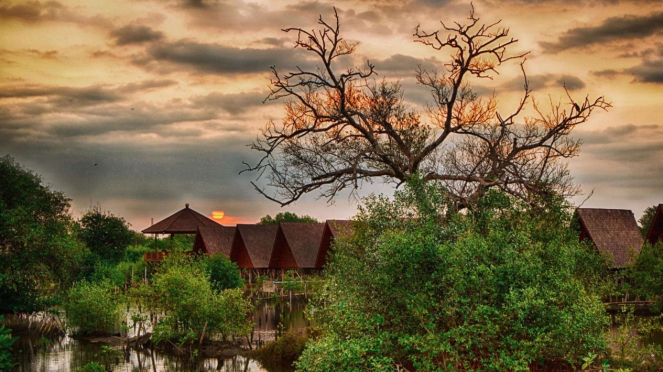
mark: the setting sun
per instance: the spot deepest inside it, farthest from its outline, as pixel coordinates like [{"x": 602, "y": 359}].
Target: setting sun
[{"x": 218, "y": 215}]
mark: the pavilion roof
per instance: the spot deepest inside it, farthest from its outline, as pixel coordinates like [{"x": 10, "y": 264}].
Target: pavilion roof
[{"x": 185, "y": 221}]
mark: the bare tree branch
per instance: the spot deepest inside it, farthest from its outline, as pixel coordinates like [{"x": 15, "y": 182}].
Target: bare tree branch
[{"x": 343, "y": 128}]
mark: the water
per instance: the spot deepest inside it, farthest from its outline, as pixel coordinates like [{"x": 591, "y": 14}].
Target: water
[{"x": 69, "y": 354}]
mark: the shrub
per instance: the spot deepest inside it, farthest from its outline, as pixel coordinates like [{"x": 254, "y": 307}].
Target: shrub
[
  {"x": 285, "y": 350},
  {"x": 6, "y": 342},
  {"x": 92, "y": 308},
  {"x": 192, "y": 306},
  {"x": 92, "y": 367},
  {"x": 501, "y": 288},
  {"x": 646, "y": 274},
  {"x": 223, "y": 273}
]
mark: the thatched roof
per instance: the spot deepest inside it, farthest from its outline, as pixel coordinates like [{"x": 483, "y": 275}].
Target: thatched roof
[
  {"x": 214, "y": 239},
  {"x": 613, "y": 231},
  {"x": 655, "y": 232},
  {"x": 303, "y": 239},
  {"x": 186, "y": 221},
  {"x": 339, "y": 227},
  {"x": 258, "y": 241}
]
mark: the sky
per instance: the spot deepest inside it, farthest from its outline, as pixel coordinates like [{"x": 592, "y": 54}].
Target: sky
[{"x": 141, "y": 106}]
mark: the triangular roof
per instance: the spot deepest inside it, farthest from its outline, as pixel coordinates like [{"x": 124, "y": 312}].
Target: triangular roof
[
  {"x": 302, "y": 242},
  {"x": 655, "y": 232},
  {"x": 333, "y": 228},
  {"x": 185, "y": 221},
  {"x": 339, "y": 227},
  {"x": 613, "y": 231},
  {"x": 214, "y": 239},
  {"x": 258, "y": 240}
]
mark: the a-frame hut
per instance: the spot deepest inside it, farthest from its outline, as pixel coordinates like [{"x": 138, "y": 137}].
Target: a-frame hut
[
  {"x": 655, "y": 232},
  {"x": 185, "y": 221},
  {"x": 211, "y": 240},
  {"x": 613, "y": 231},
  {"x": 296, "y": 246},
  {"x": 332, "y": 229},
  {"x": 252, "y": 247}
]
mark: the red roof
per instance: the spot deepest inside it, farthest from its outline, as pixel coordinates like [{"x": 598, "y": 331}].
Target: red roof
[
  {"x": 186, "y": 221},
  {"x": 297, "y": 245},
  {"x": 655, "y": 232}
]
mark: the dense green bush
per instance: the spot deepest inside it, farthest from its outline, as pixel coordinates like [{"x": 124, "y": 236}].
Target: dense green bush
[
  {"x": 107, "y": 236},
  {"x": 500, "y": 288},
  {"x": 92, "y": 308},
  {"x": 6, "y": 342},
  {"x": 645, "y": 276},
  {"x": 192, "y": 306},
  {"x": 39, "y": 251},
  {"x": 223, "y": 273}
]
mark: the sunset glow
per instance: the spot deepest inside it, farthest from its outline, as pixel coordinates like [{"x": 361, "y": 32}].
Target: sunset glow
[{"x": 168, "y": 94}]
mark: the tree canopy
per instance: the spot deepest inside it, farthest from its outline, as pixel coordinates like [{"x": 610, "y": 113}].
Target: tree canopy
[
  {"x": 342, "y": 128},
  {"x": 505, "y": 287},
  {"x": 285, "y": 217},
  {"x": 38, "y": 249},
  {"x": 106, "y": 235}
]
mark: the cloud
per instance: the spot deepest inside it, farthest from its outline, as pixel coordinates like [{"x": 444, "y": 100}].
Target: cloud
[
  {"x": 135, "y": 35},
  {"x": 403, "y": 65},
  {"x": 627, "y": 27},
  {"x": 221, "y": 59},
  {"x": 32, "y": 11},
  {"x": 537, "y": 82},
  {"x": 234, "y": 104},
  {"x": 650, "y": 69},
  {"x": 621, "y": 163},
  {"x": 49, "y": 11}
]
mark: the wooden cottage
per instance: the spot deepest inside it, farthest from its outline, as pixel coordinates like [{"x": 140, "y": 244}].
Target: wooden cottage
[
  {"x": 252, "y": 247},
  {"x": 296, "y": 246},
  {"x": 655, "y": 232},
  {"x": 212, "y": 240},
  {"x": 613, "y": 231},
  {"x": 332, "y": 229},
  {"x": 185, "y": 221}
]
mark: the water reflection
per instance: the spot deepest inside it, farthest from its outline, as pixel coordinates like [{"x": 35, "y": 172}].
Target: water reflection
[{"x": 68, "y": 354}]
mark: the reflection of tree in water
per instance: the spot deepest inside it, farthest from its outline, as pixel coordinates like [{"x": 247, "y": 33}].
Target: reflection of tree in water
[{"x": 234, "y": 364}]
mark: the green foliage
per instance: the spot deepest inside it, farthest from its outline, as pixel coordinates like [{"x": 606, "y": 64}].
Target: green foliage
[
  {"x": 285, "y": 350},
  {"x": 646, "y": 274},
  {"x": 6, "y": 342},
  {"x": 92, "y": 367},
  {"x": 629, "y": 340},
  {"x": 285, "y": 217},
  {"x": 39, "y": 252},
  {"x": 92, "y": 308},
  {"x": 106, "y": 235},
  {"x": 184, "y": 292},
  {"x": 223, "y": 273},
  {"x": 646, "y": 219},
  {"x": 501, "y": 288}
]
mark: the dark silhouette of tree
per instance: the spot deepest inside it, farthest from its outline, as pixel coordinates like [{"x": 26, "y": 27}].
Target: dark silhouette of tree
[{"x": 342, "y": 128}]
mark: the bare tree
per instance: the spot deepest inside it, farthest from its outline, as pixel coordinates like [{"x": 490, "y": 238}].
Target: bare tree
[{"x": 342, "y": 128}]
